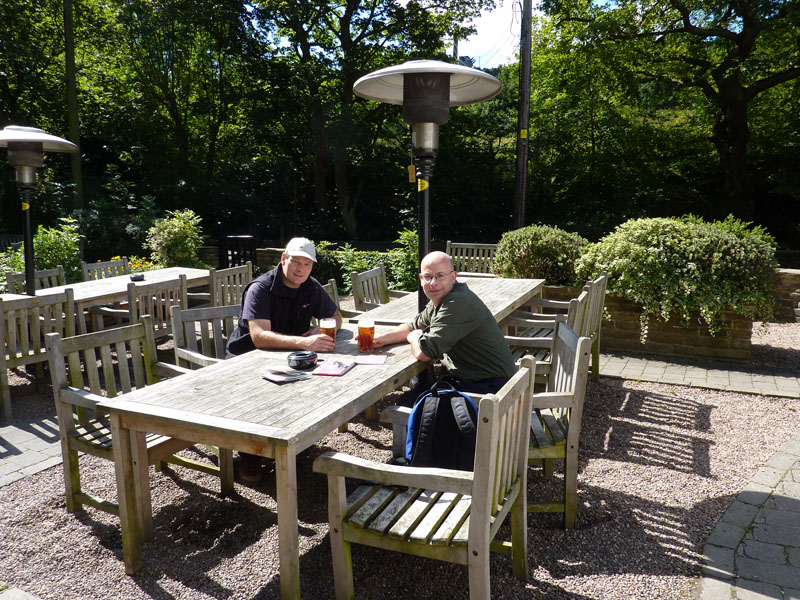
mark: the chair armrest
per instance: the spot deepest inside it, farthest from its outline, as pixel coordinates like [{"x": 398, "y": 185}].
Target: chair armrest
[
  {"x": 529, "y": 342},
  {"x": 78, "y": 397},
  {"x": 162, "y": 369},
  {"x": 552, "y": 400},
  {"x": 195, "y": 358},
  {"x": 344, "y": 465},
  {"x": 474, "y": 275},
  {"x": 347, "y": 314},
  {"x": 398, "y": 293},
  {"x": 397, "y": 417},
  {"x": 554, "y": 304},
  {"x": 110, "y": 312}
]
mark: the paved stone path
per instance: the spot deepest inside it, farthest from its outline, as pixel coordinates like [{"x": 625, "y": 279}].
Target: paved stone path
[{"x": 754, "y": 551}]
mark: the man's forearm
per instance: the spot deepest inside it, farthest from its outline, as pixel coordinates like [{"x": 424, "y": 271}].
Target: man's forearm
[{"x": 269, "y": 340}]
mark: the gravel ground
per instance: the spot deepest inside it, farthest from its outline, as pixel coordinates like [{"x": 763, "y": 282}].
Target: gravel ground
[{"x": 659, "y": 464}]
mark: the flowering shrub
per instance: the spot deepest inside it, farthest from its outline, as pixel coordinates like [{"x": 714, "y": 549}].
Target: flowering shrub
[
  {"x": 539, "y": 252},
  {"x": 137, "y": 264},
  {"x": 682, "y": 265}
]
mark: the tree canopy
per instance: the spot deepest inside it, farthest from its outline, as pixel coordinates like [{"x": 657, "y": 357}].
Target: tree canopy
[{"x": 637, "y": 109}]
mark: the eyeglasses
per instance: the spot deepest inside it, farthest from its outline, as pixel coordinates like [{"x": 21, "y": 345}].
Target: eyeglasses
[{"x": 439, "y": 277}]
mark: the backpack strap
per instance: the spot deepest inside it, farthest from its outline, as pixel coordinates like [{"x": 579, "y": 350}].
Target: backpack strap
[
  {"x": 422, "y": 454},
  {"x": 466, "y": 424}
]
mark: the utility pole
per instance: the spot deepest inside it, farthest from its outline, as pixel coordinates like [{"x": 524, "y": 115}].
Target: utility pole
[{"x": 523, "y": 120}]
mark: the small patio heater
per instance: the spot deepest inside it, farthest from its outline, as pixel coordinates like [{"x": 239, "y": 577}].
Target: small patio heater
[
  {"x": 426, "y": 89},
  {"x": 26, "y": 146}
]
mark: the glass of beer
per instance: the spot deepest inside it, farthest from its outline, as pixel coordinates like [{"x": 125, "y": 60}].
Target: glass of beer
[
  {"x": 328, "y": 327},
  {"x": 366, "y": 335}
]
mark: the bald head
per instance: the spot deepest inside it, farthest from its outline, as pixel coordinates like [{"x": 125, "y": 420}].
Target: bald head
[
  {"x": 436, "y": 261},
  {"x": 437, "y": 276}
]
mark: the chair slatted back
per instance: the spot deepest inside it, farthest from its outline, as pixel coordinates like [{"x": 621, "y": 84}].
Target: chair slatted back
[
  {"x": 200, "y": 333},
  {"x": 25, "y": 323},
  {"x": 370, "y": 288},
  {"x": 101, "y": 270},
  {"x": 106, "y": 363},
  {"x": 570, "y": 352},
  {"x": 157, "y": 299},
  {"x": 594, "y": 314},
  {"x": 471, "y": 258},
  {"x": 45, "y": 278},
  {"x": 500, "y": 472},
  {"x": 227, "y": 285},
  {"x": 27, "y": 320}
]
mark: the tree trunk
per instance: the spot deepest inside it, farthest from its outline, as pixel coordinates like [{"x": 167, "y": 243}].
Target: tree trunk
[{"x": 730, "y": 135}]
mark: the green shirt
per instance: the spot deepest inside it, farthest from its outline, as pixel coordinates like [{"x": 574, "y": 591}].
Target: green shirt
[{"x": 463, "y": 334}]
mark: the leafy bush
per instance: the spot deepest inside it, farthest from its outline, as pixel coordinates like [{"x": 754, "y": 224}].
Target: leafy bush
[
  {"x": 175, "y": 241},
  {"x": 51, "y": 247},
  {"x": 10, "y": 260},
  {"x": 682, "y": 265},
  {"x": 403, "y": 264},
  {"x": 61, "y": 246},
  {"x": 539, "y": 252},
  {"x": 351, "y": 259}
]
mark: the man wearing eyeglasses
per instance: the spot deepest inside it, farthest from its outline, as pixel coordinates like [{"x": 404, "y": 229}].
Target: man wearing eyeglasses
[{"x": 457, "y": 329}]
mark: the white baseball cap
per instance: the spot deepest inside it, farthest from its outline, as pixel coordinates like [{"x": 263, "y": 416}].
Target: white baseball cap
[{"x": 301, "y": 247}]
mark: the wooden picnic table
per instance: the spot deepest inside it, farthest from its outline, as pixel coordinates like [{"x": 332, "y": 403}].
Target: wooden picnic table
[
  {"x": 502, "y": 297},
  {"x": 231, "y": 406},
  {"x": 115, "y": 289}
]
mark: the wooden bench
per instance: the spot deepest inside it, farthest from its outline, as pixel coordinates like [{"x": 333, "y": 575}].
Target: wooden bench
[
  {"x": 472, "y": 260},
  {"x": 440, "y": 513}
]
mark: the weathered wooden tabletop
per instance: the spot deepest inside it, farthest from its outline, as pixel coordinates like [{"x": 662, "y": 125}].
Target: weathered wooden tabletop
[{"x": 502, "y": 297}]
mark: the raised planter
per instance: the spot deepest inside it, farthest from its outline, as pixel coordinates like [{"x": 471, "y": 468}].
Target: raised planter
[{"x": 622, "y": 332}]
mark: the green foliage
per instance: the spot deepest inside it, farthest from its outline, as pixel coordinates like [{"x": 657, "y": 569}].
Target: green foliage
[
  {"x": 175, "y": 241},
  {"x": 682, "y": 265},
  {"x": 539, "y": 252},
  {"x": 51, "y": 247},
  {"x": 59, "y": 246},
  {"x": 403, "y": 263},
  {"x": 327, "y": 266},
  {"x": 351, "y": 259},
  {"x": 10, "y": 260}
]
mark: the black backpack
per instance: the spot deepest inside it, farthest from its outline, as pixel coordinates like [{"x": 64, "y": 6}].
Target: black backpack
[{"x": 441, "y": 429}]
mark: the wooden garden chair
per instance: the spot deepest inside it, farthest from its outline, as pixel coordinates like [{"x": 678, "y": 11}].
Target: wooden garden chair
[
  {"x": 101, "y": 270},
  {"x": 88, "y": 369},
  {"x": 472, "y": 260},
  {"x": 25, "y": 322},
  {"x": 226, "y": 287},
  {"x": 200, "y": 335},
  {"x": 371, "y": 289},
  {"x": 333, "y": 292},
  {"x": 556, "y": 418},
  {"x": 440, "y": 513},
  {"x": 45, "y": 278},
  {"x": 155, "y": 299}
]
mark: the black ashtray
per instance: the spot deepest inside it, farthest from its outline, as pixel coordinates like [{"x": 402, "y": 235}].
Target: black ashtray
[
  {"x": 305, "y": 359},
  {"x": 137, "y": 277}
]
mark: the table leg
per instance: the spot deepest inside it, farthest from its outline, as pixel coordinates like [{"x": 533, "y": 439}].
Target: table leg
[
  {"x": 126, "y": 491},
  {"x": 288, "y": 542}
]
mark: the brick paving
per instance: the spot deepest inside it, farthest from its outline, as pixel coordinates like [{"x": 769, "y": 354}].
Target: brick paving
[{"x": 753, "y": 553}]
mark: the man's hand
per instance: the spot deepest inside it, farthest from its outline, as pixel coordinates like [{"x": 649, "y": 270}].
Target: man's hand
[{"x": 318, "y": 342}]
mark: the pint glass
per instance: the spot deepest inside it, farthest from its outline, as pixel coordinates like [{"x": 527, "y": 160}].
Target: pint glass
[
  {"x": 328, "y": 327},
  {"x": 366, "y": 335}
]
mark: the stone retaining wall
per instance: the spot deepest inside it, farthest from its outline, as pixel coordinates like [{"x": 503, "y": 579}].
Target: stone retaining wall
[{"x": 621, "y": 333}]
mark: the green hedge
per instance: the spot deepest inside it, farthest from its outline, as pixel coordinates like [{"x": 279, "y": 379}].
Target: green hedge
[
  {"x": 539, "y": 252},
  {"x": 685, "y": 265}
]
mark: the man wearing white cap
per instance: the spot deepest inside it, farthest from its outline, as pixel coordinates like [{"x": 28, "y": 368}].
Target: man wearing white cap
[
  {"x": 278, "y": 306},
  {"x": 276, "y": 315}
]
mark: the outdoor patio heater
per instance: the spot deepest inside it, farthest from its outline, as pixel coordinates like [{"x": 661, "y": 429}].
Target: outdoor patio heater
[
  {"x": 26, "y": 146},
  {"x": 426, "y": 89}
]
